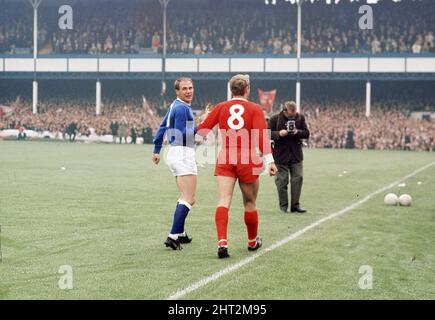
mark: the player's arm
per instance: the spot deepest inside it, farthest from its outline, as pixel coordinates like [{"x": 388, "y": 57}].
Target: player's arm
[
  {"x": 210, "y": 121},
  {"x": 158, "y": 139},
  {"x": 201, "y": 117},
  {"x": 259, "y": 123}
]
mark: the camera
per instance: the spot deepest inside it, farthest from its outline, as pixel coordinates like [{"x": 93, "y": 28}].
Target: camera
[{"x": 291, "y": 125}]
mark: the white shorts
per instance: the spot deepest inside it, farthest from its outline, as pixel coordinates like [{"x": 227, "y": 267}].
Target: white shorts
[{"x": 181, "y": 160}]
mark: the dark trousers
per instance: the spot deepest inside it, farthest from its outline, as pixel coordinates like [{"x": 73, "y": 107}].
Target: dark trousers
[{"x": 295, "y": 169}]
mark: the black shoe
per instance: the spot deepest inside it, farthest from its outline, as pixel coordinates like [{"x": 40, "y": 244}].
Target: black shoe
[
  {"x": 298, "y": 209},
  {"x": 184, "y": 239},
  {"x": 223, "y": 252},
  {"x": 284, "y": 210},
  {"x": 174, "y": 244},
  {"x": 258, "y": 245}
]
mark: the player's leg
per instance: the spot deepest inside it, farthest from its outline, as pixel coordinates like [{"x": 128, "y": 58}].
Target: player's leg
[
  {"x": 187, "y": 187},
  {"x": 225, "y": 193},
  {"x": 225, "y": 190},
  {"x": 182, "y": 163},
  {"x": 249, "y": 194}
]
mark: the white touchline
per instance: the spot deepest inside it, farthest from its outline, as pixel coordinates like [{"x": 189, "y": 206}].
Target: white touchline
[{"x": 201, "y": 283}]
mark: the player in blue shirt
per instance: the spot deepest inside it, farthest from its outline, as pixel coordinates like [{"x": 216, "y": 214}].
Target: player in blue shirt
[{"x": 179, "y": 128}]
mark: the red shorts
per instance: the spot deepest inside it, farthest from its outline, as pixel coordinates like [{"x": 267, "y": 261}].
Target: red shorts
[{"x": 245, "y": 172}]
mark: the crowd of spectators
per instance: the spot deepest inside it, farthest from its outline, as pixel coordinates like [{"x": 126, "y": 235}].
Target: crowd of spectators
[
  {"x": 59, "y": 117},
  {"x": 325, "y": 29},
  {"x": 205, "y": 27},
  {"x": 333, "y": 123},
  {"x": 343, "y": 124}
]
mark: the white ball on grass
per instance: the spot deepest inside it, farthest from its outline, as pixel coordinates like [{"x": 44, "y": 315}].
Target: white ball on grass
[
  {"x": 405, "y": 200},
  {"x": 391, "y": 199}
]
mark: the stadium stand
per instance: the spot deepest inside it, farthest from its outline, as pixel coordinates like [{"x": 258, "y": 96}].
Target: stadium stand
[
  {"x": 214, "y": 28},
  {"x": 331, "y": 116}
]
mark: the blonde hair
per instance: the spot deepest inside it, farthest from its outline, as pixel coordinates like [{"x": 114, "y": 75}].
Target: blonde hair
[
  {"x": 238, "y": 84},
  {"x": 290, "y": 104},
  {"x": 179, "y": 80}
]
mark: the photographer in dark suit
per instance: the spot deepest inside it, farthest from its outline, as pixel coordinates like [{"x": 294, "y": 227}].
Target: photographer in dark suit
[{"x": 288, "y": 129}]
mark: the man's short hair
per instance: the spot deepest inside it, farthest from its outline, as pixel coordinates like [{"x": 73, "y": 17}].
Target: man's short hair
[
  {"x": 179, "y": 80},
  {"x": 290, "y": 105},
  {"x": 238, "y": 84}
]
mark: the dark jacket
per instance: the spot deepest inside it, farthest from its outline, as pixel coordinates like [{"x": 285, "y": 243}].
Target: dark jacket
[
  {"x": 72, "y": 128},
  {"x": 290, "y": 146},
  {"x": 114, "y": 126}
]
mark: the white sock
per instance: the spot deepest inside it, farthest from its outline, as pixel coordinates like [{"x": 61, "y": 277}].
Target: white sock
[
  {"x": 173, "y": 236},
  {"x": 185, "y": 203}
]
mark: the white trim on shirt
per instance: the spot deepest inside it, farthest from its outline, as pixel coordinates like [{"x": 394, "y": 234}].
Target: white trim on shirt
[
  {"x": 243, "y": 99},
  {"x": 183, "y": 102}
]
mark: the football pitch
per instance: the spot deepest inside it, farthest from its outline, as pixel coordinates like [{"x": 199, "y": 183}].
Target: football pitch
[{"x": 105, "y": 210}]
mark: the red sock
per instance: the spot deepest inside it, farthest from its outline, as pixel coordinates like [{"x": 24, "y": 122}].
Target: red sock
[
  {"x": 251, "y": 221},
  {"x": 221, "y": 219}
]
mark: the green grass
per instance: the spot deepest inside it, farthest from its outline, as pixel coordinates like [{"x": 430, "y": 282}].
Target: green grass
[{"x": 109, "y": 212}]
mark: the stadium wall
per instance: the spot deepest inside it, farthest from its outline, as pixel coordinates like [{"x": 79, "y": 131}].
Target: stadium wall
[
  {"x": 397, "y": 66},
  {"x": 12, "y": 134}
]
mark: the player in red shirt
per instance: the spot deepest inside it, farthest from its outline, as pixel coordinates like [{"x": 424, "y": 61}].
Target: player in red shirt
[{"x": 243, "y": 128}]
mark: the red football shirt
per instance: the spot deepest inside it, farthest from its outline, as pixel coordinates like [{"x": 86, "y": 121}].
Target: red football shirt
[{"x": 243, "y": 128}]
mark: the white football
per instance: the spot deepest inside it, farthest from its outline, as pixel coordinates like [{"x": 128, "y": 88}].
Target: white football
[
  {"x": 391, "y": 199},
  {"x": 405, "y": 200}
]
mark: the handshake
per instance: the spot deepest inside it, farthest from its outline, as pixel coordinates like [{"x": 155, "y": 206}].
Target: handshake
[{"x": 201, "y": 117}]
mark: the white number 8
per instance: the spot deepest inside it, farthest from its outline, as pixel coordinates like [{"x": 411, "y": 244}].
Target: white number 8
[{"x": 236, "y": 116}]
